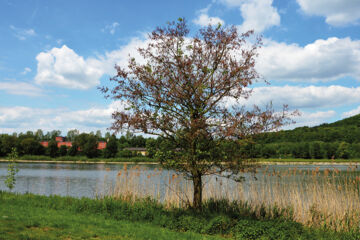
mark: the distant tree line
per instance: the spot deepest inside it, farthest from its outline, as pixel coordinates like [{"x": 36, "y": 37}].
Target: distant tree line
[
  {"x": 306, "y": 150},
  {"x": 83, "y": 144},
  {"x": 332, "y": 141}
]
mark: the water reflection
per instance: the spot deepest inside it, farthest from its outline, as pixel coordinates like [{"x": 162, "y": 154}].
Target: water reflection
[{"x": 91, "y": 180}]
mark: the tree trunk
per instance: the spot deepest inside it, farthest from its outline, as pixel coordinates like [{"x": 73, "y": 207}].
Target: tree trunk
[{"x": 197, "y": 181}]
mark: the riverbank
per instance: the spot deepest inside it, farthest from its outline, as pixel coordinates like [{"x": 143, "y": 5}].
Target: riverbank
[
  {"x": 146, "y": 160},
  {"x": 300, "y": 161},
  {"x": 78, "y": 162},
  {"x": 35, "y": 217},
  {"x": 82, "y": 159}
]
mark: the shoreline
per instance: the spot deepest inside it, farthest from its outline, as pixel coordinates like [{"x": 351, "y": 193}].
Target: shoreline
[
  {"x": 77, "y": 162},
  {"x": 309, "y": 163},
  {"x": 156, "y": 163}
]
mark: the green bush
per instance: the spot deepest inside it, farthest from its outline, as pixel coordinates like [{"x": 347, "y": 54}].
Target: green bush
[
  {"x": 220, "y": 224},
  {"x": 277, "y": 230}
]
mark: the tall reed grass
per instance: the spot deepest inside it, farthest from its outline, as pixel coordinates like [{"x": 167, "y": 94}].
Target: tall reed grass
[{"x": 327, "y": 199}]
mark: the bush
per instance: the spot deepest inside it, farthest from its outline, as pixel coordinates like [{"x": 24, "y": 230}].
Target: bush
[{"x": 220, "y": 224}]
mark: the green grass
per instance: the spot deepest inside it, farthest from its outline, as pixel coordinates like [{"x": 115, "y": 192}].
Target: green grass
[
  {"x": 295, "y": 160},
  {"x": 31, "y": 216},
  {"x": 84, "y": 159},
  {"x": 23, "y": 221}
]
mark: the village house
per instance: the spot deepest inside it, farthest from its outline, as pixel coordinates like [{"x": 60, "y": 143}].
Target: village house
[
  {"x": 61, "y": 142},
  {"x": 138, "y": 150}
]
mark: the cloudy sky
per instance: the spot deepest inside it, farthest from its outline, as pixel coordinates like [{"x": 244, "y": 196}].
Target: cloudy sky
[{"x": 54, "y": 55}]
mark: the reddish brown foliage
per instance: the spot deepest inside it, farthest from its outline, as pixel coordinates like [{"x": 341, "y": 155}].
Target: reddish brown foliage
[{"x": 179, "y": 94}]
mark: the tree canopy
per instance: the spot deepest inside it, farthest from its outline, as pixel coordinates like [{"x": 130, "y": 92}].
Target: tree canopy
[{"x": 180, "y": 92}]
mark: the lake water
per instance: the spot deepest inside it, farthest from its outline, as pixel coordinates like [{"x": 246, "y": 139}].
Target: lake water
[{"x": 91, "y": 180}]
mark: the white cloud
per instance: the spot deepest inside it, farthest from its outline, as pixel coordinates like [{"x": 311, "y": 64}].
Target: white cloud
[
  {"x": 336, "y": 12},
  {"x": 205, "y": 20},
  {"x": 111, "y": 28},
  {"x": 20, "y": 88},
  {"x": 63, "y": 67},
  {"x": 121, "y": 56},
  {"x": 322, "y": 60},
  {"x": 26, "y": 70},
  {"x": 258, "y": 15},
  {"x": 22, "y": 119},
  {"x": 94, "y": 116},
  {"x": 310, "y": 97},
  {"x": 311, "y": 119},
  {"x": 22, "y": 34},
  {"x": 351, "y": 113}
]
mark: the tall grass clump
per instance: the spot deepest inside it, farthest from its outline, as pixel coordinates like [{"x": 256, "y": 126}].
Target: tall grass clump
[{"x": 327, "y": 199}]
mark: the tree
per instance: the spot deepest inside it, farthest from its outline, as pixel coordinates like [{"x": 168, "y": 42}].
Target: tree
[
  {"x": 98, "y": 134},
  {"x": 39, "y": 135},
  {"x": 151, "y": 147},
  {"x": 54, "y": 134},
  {"x": 81, "y": 140},
  {"x": 343, "y": 150},
  {"x": 53, "y": 149},
  {"x": 72, "y": 134},
  {"x": 107, "y": 136},
  {"x": 316, "y": 150},
  {"x": 111, "y": 148},
  {"x": 63, "y": 150},
  {"x": 7, "y": 143},
  {"x": 179, "y": 93},
  {"x": 73, "y": 150},
  {"x": 90, "y": 147},
  {"x": 31, "y": 146}
]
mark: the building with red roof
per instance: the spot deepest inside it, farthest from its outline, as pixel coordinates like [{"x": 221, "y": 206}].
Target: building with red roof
[{"x": 61, "y": 142}]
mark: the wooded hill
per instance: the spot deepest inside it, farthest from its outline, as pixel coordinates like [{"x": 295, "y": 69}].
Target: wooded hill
[{"x": 340, "y": 139}]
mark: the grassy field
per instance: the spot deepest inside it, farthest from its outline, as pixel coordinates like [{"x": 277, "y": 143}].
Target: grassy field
[
  {"x": 303, "y": 160},
  {"x": 38, "y": 217},
  {"x": 24, "y": 221},
  {"x": 83, "y": 159}
]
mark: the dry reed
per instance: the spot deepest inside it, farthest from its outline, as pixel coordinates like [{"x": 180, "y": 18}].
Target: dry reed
[{"x": 327, "y": 199}]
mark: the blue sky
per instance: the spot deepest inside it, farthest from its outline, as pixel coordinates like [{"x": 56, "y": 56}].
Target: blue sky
[{"x": 54, "y": 55}]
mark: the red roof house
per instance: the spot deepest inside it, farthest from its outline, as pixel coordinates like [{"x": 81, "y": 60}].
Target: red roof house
[
  {"x": 101, "y": 145},
  {"x": 59, "y": 139},
  {"x": 67, "y": 144},
  {"x": 45, "y": 143}
]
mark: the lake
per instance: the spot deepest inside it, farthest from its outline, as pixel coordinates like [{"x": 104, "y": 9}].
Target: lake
[{"x": 91, "y": 180}]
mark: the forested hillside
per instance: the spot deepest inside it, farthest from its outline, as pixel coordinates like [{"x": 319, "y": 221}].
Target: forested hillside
[{"x": 340, "y": 139}]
